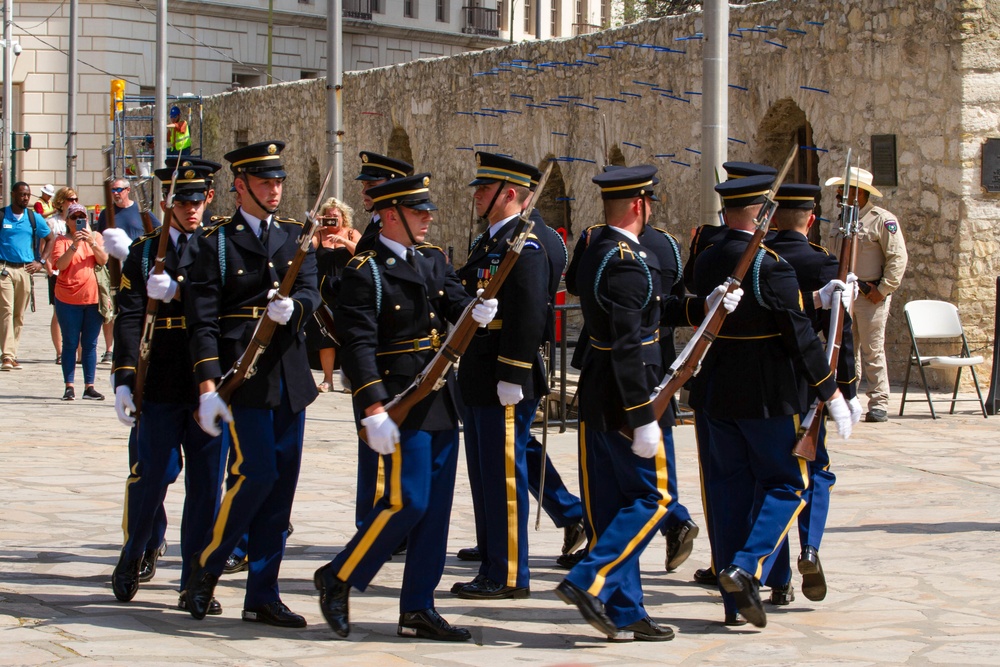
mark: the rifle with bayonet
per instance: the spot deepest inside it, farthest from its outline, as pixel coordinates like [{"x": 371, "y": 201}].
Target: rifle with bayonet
[
  {"x": 153, "y": 305},
  {"x": 688, "y": 362},
  {"x": 433, "y": 376},
  {"x": 114, "y": 265},
  {"x": 246, "y": 366},
  {"x": 808, "y": 434}
]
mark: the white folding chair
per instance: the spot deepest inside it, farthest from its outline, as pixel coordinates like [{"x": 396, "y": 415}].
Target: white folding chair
[{"x": 938, "y": 320}]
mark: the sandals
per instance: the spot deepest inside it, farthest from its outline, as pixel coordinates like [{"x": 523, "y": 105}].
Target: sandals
[{"x": 323, "y": 387}]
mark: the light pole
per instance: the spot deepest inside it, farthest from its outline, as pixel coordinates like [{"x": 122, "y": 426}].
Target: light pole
[{"x": 8, "y": 68}]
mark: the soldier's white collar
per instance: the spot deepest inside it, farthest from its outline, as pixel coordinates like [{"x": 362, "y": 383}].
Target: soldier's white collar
[
  {"x": 627, "y": 234},
  {"x": 254, "y": 221},
  {"x": 495, "y": 227},
  {"x": 396, "y": 247}
]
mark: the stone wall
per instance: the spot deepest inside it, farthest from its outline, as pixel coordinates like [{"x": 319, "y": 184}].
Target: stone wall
[{"x": 923, "y": 70}]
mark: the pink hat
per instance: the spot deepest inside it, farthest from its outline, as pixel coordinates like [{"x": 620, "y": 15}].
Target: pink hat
[{"x": 75, "y": 208}]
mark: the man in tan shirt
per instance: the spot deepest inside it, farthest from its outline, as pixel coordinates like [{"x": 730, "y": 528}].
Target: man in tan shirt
[{"x": 881, "y": 262}]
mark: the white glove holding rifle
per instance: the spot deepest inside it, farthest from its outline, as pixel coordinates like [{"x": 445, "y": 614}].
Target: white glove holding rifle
[
  {"x": 381, "y": 433},
  {"x": 729, "y": 299},
  {"x": 483, "y": 313},
  {"x": 841, "y": 414},
  {"x": 280, "y": 310},
  {"x": 827, "y": 292}
]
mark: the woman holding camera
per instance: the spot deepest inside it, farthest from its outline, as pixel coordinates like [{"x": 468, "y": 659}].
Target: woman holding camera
[
  {"x": 57, "y": 223},
  {"x": 75, "y": 256},
  {"x": 335, "y": 242}
]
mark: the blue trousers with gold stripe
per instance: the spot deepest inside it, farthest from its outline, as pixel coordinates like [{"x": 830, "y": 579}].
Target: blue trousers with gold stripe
[
  {"x": 416, "y": 507},
  {"x": 266, "y": 451},
  {"x": 744, "y": 454},
  {"x": 371, "y": 481},
  {"x": 496, "y": 441},
  {"x": 165, "y": 438},
  {"x": 626, "y": 499},
  {"x": 812, "y": 519}
]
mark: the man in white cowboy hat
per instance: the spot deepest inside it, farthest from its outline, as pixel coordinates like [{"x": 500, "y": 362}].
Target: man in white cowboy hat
[{"x": 880, "y": 265}]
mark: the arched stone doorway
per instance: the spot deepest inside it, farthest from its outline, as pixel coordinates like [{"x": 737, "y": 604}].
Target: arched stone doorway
[
  {"x": 399, "y": 145},
  {"x": 784, "y": 124},
  {"x": 555, "y": 207}
]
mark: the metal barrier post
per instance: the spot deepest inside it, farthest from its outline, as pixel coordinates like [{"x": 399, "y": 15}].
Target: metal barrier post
[{"x": 991, "y": 395}]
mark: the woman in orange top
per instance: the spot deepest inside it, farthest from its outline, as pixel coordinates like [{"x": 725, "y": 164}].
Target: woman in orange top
[{"x": 75, "y": 255}]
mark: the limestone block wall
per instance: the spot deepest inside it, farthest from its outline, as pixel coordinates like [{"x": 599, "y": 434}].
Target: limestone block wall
[{"x": 923, "y": 70}]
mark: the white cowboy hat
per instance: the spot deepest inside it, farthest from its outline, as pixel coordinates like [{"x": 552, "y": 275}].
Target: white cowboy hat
[
  {"x": 47, "y": 189},
  {"x": 859, "y": 177}
]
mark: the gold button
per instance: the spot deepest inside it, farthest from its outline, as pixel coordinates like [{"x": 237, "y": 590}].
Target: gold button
[
  {"x": 397, "y": 307},
  {"x": 386, "y": 372},
  {"x": 277, "y": 284},
  {"x": 271, "y": 264},
  {"x": 289, "y": 262},
  {"x": 180, "y": 279},
  {"x": 239, "y": 272},
  {"x": 432, "y": 316},
  {"x": 463, "y": 282},
  {"x": 441, "y": 292}
]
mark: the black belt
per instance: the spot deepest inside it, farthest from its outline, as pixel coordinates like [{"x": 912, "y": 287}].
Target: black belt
[
  {"x": 601, "y": 345},
  {"x": 14, "y": 265},
  {"x": 253, "y": 312},
  {"x": 432, "y": 342},
  {"x": 171, "y": 323}
]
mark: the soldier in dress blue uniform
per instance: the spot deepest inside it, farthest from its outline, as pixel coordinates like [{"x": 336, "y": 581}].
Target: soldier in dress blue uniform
[
  {"x": 679, "y": 528},
  {"x": 394, "y": 306},
  {"x": 815, "y": 268},
  {"x": 240, "y": 261},
  {"x": 752, "y": 390},
  {"x": 375, "y": 170},
  {"x": 167, "y": 426},
  {"x": 624, "y": 484},
  {"x": 502, "y": 378}
]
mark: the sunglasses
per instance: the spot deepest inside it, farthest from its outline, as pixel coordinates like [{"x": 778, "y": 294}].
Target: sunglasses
[
  {"x": 72, "y": 199},
  {"x": 117, "y": 190},
  {"x": 79, "y": 217}
]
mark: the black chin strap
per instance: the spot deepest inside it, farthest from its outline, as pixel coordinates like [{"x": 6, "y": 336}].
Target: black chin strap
[
  {"x": 406, "y": 225},
  {"x": 246, "y": 181},
  {"x": 486, "y": 214}
]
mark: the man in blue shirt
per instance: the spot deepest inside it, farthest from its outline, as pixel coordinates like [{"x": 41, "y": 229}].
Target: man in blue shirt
[
  {"x": 20, "y": 257},
  {"x": 127, "y": 214}
]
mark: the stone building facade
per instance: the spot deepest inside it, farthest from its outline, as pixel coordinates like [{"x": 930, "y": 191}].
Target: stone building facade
[{"x": 830, "y": 74}]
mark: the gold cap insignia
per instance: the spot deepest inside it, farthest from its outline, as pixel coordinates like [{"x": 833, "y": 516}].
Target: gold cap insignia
[
  {"x": 186, "y": 163},
  {"x": 479, "y": 159},
  {"x": 427, "y": 181},
  {"x": 272, "y": 149},
  {"x": 364, "y": 157},
  {"x": 189, "y": 174}
]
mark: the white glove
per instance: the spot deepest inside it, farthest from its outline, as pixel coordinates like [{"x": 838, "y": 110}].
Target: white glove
[
  {"x": 855, "y": 407},
  {"x": 116, "y": 243},
  {"x": 381, "y": 433},
  {"x": 161, "y": 287},
  {"x": 123, "y": 405},
  {"x": 280, "y": 310},
  {"x": 646, "y": 440},
  {"x": 210, "y": 409},
  {"x": 852, "y": 280},
  {"x": 483, "y": 313},
  {"x": 729, "y": 300},
  {"x": 841, "y": 414},
  {"x": 509, "y": 393},
  {"x": 826, "y": 293}
]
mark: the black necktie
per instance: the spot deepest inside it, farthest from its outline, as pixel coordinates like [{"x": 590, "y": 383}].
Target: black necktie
[
  {"x": 264, "y": 229},
  {"x": 411, "y": 257},
  {"x": 182, "y": 241}
]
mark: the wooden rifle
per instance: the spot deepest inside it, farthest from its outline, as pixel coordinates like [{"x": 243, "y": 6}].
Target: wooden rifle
[
  {"x": 153, "y": 305},
  {"x": 246, "y": 366},
  {"x": 688, "y": 362},
  {"x": 114, "y": 265},
  {"x": 140, "y": 194},
  {"x": 433, "y": 376},
  {"x": 808, "y": 434}
]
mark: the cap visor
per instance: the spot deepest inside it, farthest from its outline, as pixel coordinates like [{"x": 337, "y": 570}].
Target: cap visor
[
  {"x": 482, "y": 181},
  {"x": 189, "y": 196},
  {"x": 422, "y": 206}
]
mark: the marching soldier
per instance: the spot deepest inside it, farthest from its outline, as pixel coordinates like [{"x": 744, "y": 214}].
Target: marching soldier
[
  {"x": 815, "y": 268},
  {"x": 624, "y": 483},
  {"x": 375, "y": 170},
  {"x": 167, "y": 427},
  {"x": 502, "y": 378},
  {"x": 241, "y": 260},
  {"x": 391, "y": 317},
  {"x": 752, "y": 389}
]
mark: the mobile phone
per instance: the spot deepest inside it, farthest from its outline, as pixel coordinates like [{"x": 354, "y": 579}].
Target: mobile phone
[{"x": 81, "y": 224}]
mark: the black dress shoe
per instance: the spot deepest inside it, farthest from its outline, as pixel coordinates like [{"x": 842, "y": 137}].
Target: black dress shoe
[
  {"x": 706, "y": 577},
  {"x": 487, "y": 589},
  {"x": 735, "y": 620},
  {"x": 569, "y": 561},
  {"x": 428, "y": 624},
  {"x": 573, "y": 537},
  {"x": 291, "y": 529},
  {"x": 333, "y": 600},
  {"x": 813, "y": 579},
  {"x": 782, "y": 595},
  {"x": 743, "y": 587},
  {"x": 125, "y": 578},
  {"x": 644, "y": 630},
  {"x": 591, "y": 608},
  {"x": 470, "y": 553},
  {"x": 149, "y": 558},
  {"x": 680, "y": 542},
  {"x": 235, "y": 564},
  {"x": 214, "y": 608},
  {"x": 199, "y": 593},
  {"x": 276, "y": 614},
  {"x": 459, "y": 585}
]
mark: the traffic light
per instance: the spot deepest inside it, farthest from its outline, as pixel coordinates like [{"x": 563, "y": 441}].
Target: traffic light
[{"x": 117, "y": 96}]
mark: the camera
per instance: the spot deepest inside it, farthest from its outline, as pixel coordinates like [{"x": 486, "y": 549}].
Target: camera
[{"x": 16, "y": 48}]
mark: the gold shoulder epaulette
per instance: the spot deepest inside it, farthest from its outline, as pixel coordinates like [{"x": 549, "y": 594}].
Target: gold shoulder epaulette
[
  {"x": 215, "y": 223},
  {"x": 818, "y": 248},
  {"x": 359, "y": 260},
  {"x": 291, "y": 221},
  {"x": 430, "y": 246},
  {"x": 664, "y": 232},
  {"x": 145, "y": 237}
]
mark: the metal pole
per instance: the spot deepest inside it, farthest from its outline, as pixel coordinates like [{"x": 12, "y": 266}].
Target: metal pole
[
  {"x": 160, "y": 110},
  {"x": 8, "y": 92},
  {"x": 714, "y": 104},
  {"x": 74, "y": 29},
  {"x": 334, "y": 89},
  {"x": 270, "y": 32}
]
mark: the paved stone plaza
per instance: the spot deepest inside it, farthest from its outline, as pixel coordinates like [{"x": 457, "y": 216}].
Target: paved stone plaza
[{"x": 910, "y": 556}]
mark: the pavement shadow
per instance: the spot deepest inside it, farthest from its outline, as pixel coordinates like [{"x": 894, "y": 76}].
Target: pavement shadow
[{"x": 920, "y": 528}]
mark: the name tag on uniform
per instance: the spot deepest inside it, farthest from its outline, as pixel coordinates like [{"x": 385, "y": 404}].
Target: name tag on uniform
[{"x": 7, "y": 225}]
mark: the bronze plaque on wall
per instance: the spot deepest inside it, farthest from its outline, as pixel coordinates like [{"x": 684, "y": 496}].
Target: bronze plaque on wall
[
  {"x": 991, "y": 165},
  {"x": 884, "y": 160}
]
